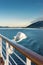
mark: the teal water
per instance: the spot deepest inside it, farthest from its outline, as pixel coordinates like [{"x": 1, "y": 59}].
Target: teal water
[{"x": 34, "y": 40}]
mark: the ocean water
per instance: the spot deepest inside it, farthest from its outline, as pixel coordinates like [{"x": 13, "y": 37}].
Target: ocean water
[{"x": 34, "y": 40}]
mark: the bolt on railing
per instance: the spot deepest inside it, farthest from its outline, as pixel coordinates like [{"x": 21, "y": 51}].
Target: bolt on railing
[{"x": 29, "y": 54}]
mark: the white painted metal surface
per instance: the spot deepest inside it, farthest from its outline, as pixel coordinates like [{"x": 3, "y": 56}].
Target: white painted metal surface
[
  {"x": 7, "y": 54},
  {"x": 0, "y": 46},
  {"x": 28, "y": 62}
]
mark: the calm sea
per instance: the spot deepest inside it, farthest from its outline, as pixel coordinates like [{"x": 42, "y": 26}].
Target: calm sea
[{"x": 34, "y": 40}]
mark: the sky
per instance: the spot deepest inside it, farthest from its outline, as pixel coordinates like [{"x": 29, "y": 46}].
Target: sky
[{"x": 20, "y": 13}]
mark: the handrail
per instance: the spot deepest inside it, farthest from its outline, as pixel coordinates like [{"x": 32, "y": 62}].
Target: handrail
[{"x": 34, "y": 57}]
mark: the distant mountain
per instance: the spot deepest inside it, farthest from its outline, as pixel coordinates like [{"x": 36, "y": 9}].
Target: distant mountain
[
  {"x": 4, "y": 27},
  {"x": 9, "y": 27},
  {"x": 37, "y": 24}
]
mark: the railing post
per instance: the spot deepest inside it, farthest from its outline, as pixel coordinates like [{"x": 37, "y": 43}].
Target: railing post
[
  {"x": 9, "y": 50},
  {"x": 7, "y": 54},
  {"x": 28, "y": 61},
  {"x": 0, "y": 46}
]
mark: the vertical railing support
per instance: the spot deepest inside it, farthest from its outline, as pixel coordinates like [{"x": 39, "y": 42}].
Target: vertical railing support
[
  {"x": 9, "y": 50},
  {"x": 28, "y": 61},
  {"x": 7, "y": 54},
  {"x": 0, "y": 46}
]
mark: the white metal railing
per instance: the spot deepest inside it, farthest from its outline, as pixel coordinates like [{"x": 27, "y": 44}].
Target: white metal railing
[{"x": 8, "y": 52}]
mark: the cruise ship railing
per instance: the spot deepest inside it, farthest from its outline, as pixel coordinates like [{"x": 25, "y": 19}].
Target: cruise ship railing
[{"x": 8, "y": 52}]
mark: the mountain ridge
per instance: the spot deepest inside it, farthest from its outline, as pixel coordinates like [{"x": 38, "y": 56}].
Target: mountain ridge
[{"x": 37, "y": 24}]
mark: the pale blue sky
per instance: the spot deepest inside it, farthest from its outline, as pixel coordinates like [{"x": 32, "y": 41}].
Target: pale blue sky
[{"x": 20, "y": 12}]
